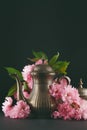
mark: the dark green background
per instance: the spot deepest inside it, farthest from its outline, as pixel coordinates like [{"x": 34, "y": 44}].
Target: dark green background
[{"x": 49, "y": 26}]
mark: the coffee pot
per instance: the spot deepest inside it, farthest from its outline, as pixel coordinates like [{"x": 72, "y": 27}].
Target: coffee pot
[{"x": 40, "y": 101}]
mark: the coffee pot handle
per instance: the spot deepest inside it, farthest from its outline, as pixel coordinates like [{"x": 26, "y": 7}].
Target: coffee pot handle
[{"x": 66, "y": 78}]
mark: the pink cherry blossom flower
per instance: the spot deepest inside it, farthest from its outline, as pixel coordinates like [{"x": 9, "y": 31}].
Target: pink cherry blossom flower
[
  {"x": 69, "y": 103},
  {"x": 83, "y": 108},
  {"x": 70, "y": 94},
  {"x": 26, "y": 73},
  {"x": 20, "y": 110},
  {"x": 66, "y": 93},
  {"x": 26, "y": 94},
  {"x": 66, "y": 111},
  {"x": 55, "y": 114}
]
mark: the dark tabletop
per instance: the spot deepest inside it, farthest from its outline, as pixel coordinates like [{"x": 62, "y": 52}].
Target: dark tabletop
[{"x": 40, "y": 124}]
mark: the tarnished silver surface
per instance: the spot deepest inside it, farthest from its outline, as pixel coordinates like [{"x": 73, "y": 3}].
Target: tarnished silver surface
[
  {"x": 82, "y": 90},
  {"x": 83, "y": 93},
  {"x": 40, "y": 100}
]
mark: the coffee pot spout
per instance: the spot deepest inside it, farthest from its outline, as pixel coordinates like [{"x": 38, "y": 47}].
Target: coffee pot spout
[{"x": 20, "y": 95}]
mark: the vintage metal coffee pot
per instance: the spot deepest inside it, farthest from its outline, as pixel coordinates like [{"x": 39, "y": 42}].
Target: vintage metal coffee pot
[{"x": 40, "y": 101}]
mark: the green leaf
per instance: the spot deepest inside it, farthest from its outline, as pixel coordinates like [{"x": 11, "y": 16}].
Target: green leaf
[
  {"x": 14, "y": 71},
  {"x": 61, "y": 66},
  {"x": 40, "y": 55},
  {"x": 35, "y": 54},
  {"x": 12, "y": 90},
  {"x": 33, "y": 59},
  {"x": 25, "y": 87},
  {"x": 53, "y": 59}
]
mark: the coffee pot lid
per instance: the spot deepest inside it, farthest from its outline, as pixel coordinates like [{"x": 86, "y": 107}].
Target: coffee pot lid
[{"x": 43, "y": 68}]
